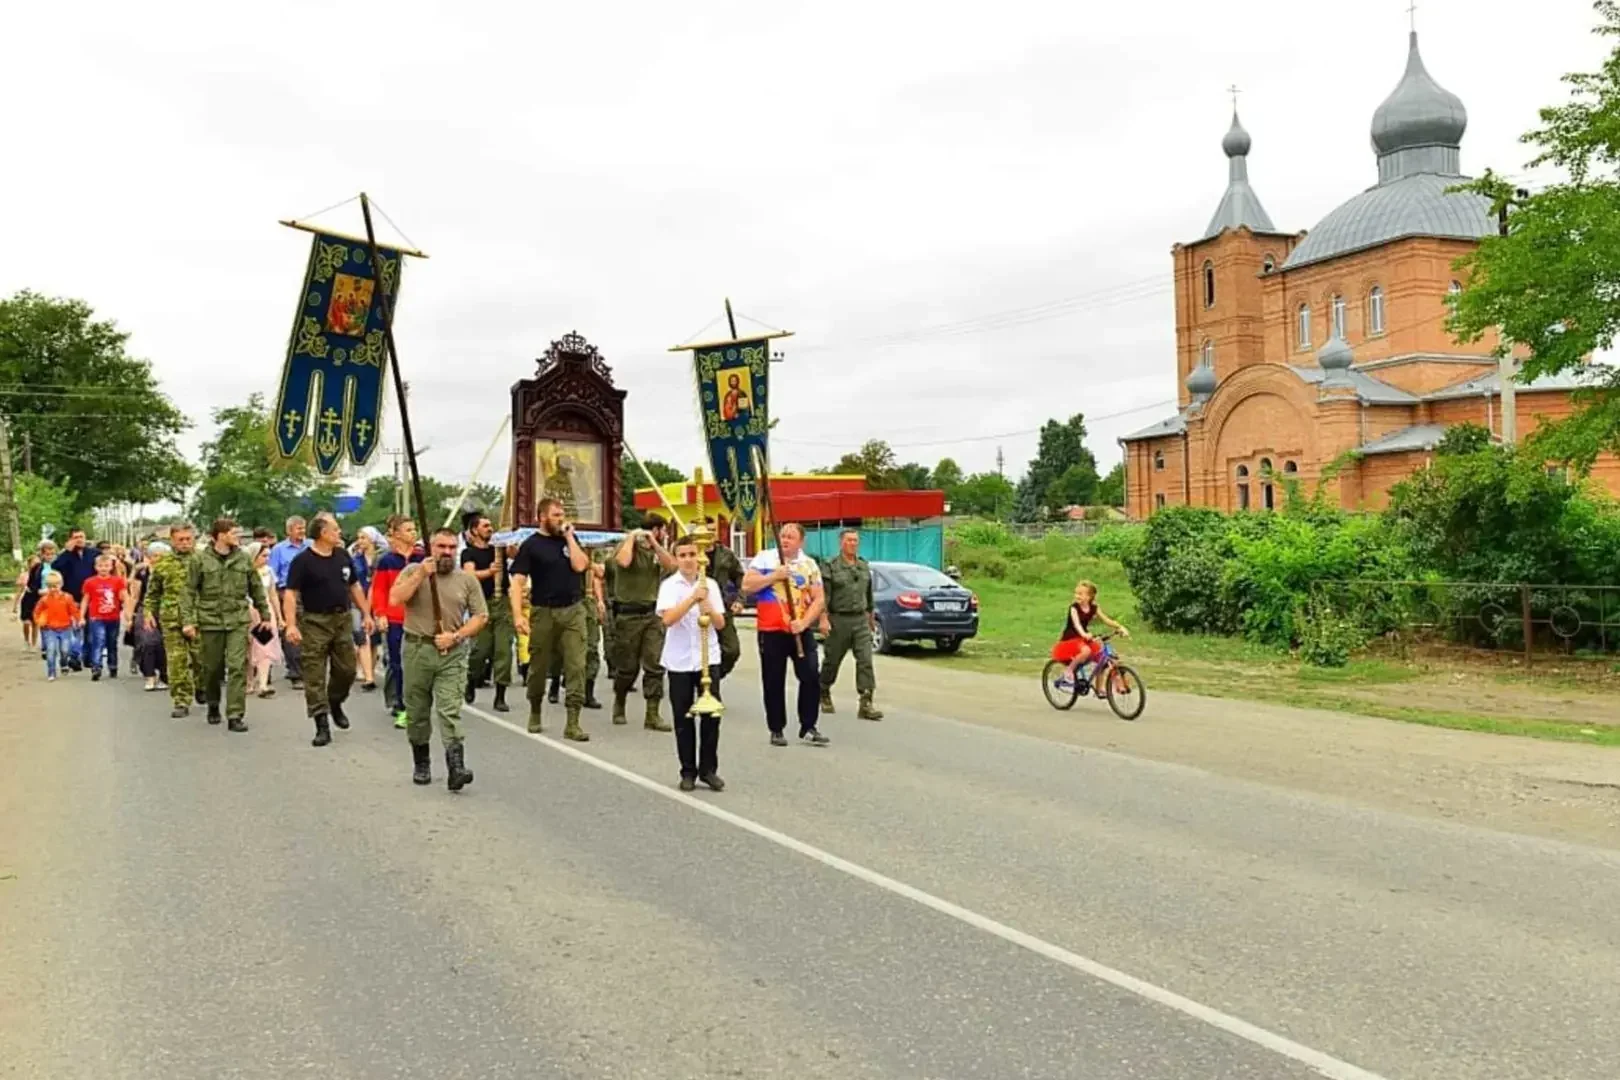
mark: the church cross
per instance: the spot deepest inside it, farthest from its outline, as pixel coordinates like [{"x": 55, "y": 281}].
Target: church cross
[
  {"x": 293, "y": 418},
  {"x": 1234, "y": 91},
  {"x": 1411, "y": 12}
]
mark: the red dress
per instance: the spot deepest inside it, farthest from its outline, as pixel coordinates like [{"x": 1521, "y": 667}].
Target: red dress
[{"x": 1069, "y": 644}]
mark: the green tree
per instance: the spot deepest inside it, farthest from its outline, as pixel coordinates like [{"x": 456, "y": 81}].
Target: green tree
[
  {"x": 631, "y": 478},
  {"x": 1062, "y": 469},
  {"x": 875, "y": 460},
  {"x": 42, "y": 504},
  {"x": 93, "y": 416},
  {"x": 947, "y": 475},
  {"x": 913, "y": 477},
  {"x": 1551, "y": 286},
  {"x": 246, "y": 479},
  {"x": 378, "y": 502},
  {"x": 1111, "y": 488},
  {"x": 986, "y": 494}
]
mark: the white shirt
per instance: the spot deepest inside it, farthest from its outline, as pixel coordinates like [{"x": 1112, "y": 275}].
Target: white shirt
[{"x": 681, "y": 644}]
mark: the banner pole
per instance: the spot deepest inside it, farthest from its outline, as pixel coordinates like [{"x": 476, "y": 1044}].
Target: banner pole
[
  {"x": 399, "y": 391},
  {"x": 473, "y": 479}
]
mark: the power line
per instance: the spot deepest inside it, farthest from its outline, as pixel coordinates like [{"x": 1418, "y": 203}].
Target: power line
[{"x": 985, "y": 438}]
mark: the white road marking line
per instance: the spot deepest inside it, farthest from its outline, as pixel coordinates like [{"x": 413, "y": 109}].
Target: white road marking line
[{"x": 1323, "y": 1063}]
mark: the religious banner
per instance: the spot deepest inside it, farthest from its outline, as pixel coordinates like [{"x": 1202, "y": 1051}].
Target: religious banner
[
  {"x": 332, "y": 382},
  {"x": 732, "y": 380}
]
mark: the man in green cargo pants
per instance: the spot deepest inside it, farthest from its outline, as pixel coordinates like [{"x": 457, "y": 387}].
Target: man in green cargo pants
[
  {"x": 436, "y": 648},
  {"x": 315, "y": 604},
  {"x": 638, "y": 633},
  {"x": 551, "y": 615},
  {"x": 222, "y": 582}
]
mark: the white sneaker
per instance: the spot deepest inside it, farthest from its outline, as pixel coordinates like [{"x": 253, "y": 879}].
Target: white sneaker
[{"x": 50, "y": 678}]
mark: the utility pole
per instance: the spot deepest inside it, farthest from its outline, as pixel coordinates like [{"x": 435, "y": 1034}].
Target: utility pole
[
  {"x": 8, "y": 489},
  {"x": 1506, "y": 367},
  {"x": 28, "y": 452}
]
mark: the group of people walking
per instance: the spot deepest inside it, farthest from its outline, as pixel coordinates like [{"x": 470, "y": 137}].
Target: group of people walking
[{"x": 209, "y": 620}]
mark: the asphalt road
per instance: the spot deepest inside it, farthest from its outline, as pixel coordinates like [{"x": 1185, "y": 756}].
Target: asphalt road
[{"x": 925, "y": 898}]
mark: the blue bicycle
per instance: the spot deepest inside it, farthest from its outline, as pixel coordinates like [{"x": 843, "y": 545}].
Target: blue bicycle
[{"x": 1113, "y": 681}]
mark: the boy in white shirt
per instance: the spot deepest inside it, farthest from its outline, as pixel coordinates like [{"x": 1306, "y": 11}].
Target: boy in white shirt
[{"x": 697, "y": 739}]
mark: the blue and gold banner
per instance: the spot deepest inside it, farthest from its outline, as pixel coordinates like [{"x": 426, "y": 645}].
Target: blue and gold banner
[
  {"x": 733, "y": 380},
  {"x": 332, "y": 383}
]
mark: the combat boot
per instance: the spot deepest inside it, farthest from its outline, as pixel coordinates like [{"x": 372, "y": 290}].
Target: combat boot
[
  {"x": 213, "y": 714},
  {"x": 554, "y": 690},
  {"x": 869, "y": 711},
  {"x": 827, "y": 701},
  {"x": 236, "y": 723},
  {"x": 573, "y": 732},
  {"x": 618, "y": 707},
  {"x": 180, "y": 712},
  {"x": 500, "y": 704},
  {"x": 323, "y": 731},
  {"x": 654, "y": 721},
  {"x": 458, "y": 775},
  {"x": 591, "y": 700},
  {"x": 470, "y": 695},
  {"x": 423, "y": 755},
  {"x": 339, "y": 717},
  {"x": 535, "y": 727}
]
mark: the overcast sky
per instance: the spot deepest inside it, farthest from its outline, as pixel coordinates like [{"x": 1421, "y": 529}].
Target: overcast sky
[{"x": 863, "y": 173}]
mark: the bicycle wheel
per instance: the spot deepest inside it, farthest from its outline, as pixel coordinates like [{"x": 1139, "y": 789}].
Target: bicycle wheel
[
  {"x": 1058, "y": 699},
  {"x": 1126, "y": 694}
]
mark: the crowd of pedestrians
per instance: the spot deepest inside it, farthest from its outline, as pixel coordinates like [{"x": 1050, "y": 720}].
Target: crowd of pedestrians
[{"x": 211, "y": 619}]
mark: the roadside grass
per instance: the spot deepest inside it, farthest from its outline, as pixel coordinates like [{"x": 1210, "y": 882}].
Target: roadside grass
[{"x": 1022, "y": 610}]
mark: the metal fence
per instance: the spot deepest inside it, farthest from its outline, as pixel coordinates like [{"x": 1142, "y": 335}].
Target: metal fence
[{"x": 1524, "y": 618}]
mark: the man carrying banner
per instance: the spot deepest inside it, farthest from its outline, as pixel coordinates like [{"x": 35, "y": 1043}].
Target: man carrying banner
[
  {"x": 638, "y": 632},
  {"x": 787, "y": 584}
]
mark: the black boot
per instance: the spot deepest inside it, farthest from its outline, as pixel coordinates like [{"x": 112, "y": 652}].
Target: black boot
[
  {"x": 471, "y": 693},
  {"x": 455, "y": 761},
  {"x": 323, "y": 731},
  {"x": 213, "y": 714},
  {"x": 341, "y": 721},
  {"x": 500, "y": 704},
  {"x": 424, "y": 771},
  {"x": 236, "y": 723},
  {"x": 590, "y": 696},
  {"x": 555, "y": 690}
]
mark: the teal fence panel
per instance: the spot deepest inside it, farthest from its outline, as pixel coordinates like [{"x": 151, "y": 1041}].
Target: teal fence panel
[{"x": 923, "y": 544}]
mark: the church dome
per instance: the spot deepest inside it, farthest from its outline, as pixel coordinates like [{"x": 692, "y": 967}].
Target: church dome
[
  {"x": 1417, "y": 133},
  {"x": 1335, "y": 355},
  {"x": 1236, "y": 142},
  {"x": 1201, "y": 383},
  {"x": 1419, "y": 112}
]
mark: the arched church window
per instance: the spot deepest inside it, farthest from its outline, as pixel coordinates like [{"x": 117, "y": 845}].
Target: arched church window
[
  {"x": 1290, "y": 468},
  {"x": 1268, "y": 264},
  {"x": 1265, "y": 466},
  {"x": 1304, "y": 329},
  {"x": 1209, "y": 284},
  {"x": 1207, "y": 357},
  {"x": 1158, "y": 461},
  {"x": 1243, "y": 487},
  {"x": 1338, "y": 316},
  {"x": 1375, "y": 310}
]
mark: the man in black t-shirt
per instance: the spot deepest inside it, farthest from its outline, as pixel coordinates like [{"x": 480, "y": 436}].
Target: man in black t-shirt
[
  {"x": 315, "y": 610},
  {"x": 553, "y": 561},
  {"x": 492, "y": 649}
]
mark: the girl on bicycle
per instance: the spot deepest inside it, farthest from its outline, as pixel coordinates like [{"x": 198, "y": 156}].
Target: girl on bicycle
[{"x": 1077, "y": 645}]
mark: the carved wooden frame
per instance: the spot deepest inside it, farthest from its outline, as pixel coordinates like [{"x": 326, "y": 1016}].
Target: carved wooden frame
[{"x": 571, "y": 396}]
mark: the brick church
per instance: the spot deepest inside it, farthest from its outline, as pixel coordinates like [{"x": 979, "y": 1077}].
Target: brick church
[{"x": 1293, "y": 348}]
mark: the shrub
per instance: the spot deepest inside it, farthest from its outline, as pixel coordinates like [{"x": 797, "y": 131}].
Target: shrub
[
  {"x": 1115, "y": 541},
  {"x": 1328, "y": 637}
]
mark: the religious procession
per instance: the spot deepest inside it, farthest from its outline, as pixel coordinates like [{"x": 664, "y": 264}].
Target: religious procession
[{"x": 549, "y": 598}]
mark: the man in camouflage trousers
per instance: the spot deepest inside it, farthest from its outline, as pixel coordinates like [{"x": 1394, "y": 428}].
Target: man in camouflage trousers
[
  {"x": 223, "y": 582},
  {"x": 727, "y": 571},
  {"x": 638, "y": 633},
  {"x": 850, "y": 611},
  {"x": 166, "y": 607}
]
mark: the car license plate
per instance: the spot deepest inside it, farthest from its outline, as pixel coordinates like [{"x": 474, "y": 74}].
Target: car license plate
[{"x": 949, "y": 605}]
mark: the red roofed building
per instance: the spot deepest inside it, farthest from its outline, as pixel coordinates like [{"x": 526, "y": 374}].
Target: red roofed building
[{"x": 898, "y": 525}]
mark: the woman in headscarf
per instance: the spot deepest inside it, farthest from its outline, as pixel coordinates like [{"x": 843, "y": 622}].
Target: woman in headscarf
[
  {"x": 150, "y": 656},
  {"x": 264, "y": 631}
]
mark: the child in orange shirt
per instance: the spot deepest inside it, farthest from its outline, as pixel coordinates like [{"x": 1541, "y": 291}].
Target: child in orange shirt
[{"x": 57, "y": 617}]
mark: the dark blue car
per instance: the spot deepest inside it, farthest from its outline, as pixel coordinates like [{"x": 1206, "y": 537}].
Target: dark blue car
[{"x": 918, "y": 603}]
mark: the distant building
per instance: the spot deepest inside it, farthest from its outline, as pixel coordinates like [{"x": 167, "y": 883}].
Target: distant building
[
  {"x": 1294, "y": 348},
  {"x": 902, "y": 526}
]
